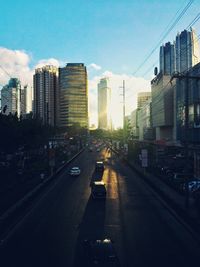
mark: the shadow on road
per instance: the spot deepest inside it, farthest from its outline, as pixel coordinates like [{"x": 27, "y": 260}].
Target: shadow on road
[{"x": 91, "y": 227}]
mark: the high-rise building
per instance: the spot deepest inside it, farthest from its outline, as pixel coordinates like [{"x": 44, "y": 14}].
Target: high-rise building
[
  {"x": 142, "y": 98},
  {"x": 73, "y": 88},
  {"x": 187, "y": 50},
  {"x": 181, "y": 55},
  {"x": 104, "y": 105},
  {"x": 46, "y": 94},
  {"x": 26, "y": 100},
  {"x": 10, "y": 97},
  {"x": 167, "y": 59}
]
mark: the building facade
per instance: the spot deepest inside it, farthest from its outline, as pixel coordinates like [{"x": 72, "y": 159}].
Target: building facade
[
  {"x": 181, "y": 55},
  {"x": 163, "y": 106},
  {"x": 167, "y": 59},
  {"x": 73, "y": 88},
  {"x": 134, "y": 124},
  {"x": 188, "y": 93},
  {"x": 26, "y": 100},
  {"x": 145, "y": 129},
  {"x": 186, "y": 50},
  {"x": 104, "y": 105},
  {"x": 142, "y": 98},
  {"x": 11, "y": 97},
  {"x": 46, "y": 94}
]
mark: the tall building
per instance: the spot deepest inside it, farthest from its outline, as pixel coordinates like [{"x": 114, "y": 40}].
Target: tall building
[
  {"x": 142, "y": 98},
  {"x": 181, "y": 55},
  {"x": 73, "y": 88},
  {"x": 46, "y": 95},
  {"x": 134, "y": 124},
  {"x": 167, "y": 59},
  {"x": 144, "y": 122},
  {"x": 26, "y": 100},
  {"x": 104, "y": 105},
  {"x": 10, "y": 97},
  {"x": 186, "y": 50}
]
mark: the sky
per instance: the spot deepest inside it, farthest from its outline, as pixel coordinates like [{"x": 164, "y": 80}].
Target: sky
[{"x": 111, "y": 37}]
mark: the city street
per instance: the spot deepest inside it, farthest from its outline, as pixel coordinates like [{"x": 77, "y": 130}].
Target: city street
[{"x": 144, "y": 231}]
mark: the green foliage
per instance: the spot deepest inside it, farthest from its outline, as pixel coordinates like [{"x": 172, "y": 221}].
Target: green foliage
[{"x": 15, "y": 133}]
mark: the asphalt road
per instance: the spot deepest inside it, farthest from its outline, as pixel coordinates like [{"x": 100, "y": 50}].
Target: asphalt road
[{"x": 144, "y": 231}]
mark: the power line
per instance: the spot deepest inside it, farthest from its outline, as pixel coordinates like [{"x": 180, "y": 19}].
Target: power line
[
  {"x": 183, "y": 72},
  {"x": 189, "y": 26},
  {"x": 194, "y": 21},
  {"x": 165, "y": 35},
  {"x": 5, "y": 71}
]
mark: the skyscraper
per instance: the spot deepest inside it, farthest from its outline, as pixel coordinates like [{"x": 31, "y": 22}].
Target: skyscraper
[
  {"x": 104, "y": 105},
  {"x": 187, "y": 50},
  {"x": 167, "y": 59},
  {"x": 26, "y": 100},
  {"x": 46, "y": 94},
  {"x": 181, "y": 55},
  {"x": 10, "y": 97},
  {"x": 73, "y": 95}
]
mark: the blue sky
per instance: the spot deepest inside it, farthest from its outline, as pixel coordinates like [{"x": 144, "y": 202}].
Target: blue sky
[{"x": 113, "y": 34}]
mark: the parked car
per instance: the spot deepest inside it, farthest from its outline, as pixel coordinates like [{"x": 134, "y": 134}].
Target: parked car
[
  {"x": 98, "y": 190},
  {"x": 193, "y": 185},
  {"x": 75, "y": 171},
  {"x": 99, "y": 166},
  {"x": 100, "y": 252}
]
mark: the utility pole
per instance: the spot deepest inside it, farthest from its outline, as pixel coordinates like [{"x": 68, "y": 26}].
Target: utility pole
[{"x": 124, "y": 105}]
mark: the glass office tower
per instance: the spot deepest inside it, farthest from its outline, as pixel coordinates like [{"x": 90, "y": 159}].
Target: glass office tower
[{"x": 73, "y": 95}]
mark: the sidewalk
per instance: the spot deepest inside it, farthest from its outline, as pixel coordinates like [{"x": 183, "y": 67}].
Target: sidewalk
[{"x": 190, "y": 213}]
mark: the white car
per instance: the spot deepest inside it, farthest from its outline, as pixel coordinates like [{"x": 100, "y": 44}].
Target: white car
[{"x": 75, "y": 171}]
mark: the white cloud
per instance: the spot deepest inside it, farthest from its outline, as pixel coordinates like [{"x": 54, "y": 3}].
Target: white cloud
[
  {"x": 94, "y": 66},
  {"x": 16, "y": 64},
  {"x": 49, "y": 61}
]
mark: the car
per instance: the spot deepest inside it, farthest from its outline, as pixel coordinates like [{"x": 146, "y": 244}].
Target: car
[
  {"x": 99, "y": 166},
  {"x": 98, "y": 190},
  {"x": 98, "y": 149},
  {"x": 75, "y": 171},
  {"x": 90, "y": 149},
  {"x": 193, "y": 185},
  {"x": 100, "y": 252}
]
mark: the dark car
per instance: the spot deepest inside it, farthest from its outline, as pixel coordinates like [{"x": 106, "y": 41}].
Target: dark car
[
  {"x": 98, "y": 189},
  {"x": 99, "y": 166},
  {"x": 193, "y": 185},
  {"x": 100, "y": 252}
]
